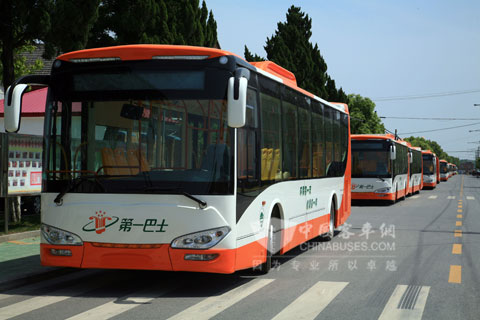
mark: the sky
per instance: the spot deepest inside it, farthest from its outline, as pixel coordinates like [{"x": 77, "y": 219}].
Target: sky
[{"x": 425, "y": 52}]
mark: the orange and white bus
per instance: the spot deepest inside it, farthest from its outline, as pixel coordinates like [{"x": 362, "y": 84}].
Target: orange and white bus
[
  {"x": 184, "y": 158},
  {"x": 444, "y": 175},
  {"x": 379, "y": 167},
  {"x": 431, "y": 169},
  {"x": 415, "y": 172}
]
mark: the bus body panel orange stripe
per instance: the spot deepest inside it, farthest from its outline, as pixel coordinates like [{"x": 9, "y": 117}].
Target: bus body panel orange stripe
[{"x": 251, "y": 255}]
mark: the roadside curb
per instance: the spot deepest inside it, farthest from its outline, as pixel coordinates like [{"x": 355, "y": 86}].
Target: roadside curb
[{"x": 19, "y": 236}]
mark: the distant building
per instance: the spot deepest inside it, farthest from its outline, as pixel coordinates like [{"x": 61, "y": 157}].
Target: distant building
[
  {"x": 30, "y": 60},
  {"x": 33, "y": 107}
]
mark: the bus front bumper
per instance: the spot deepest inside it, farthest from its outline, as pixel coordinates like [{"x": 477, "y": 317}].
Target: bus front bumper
[
  {"x": 162, "y": 257},
  {"x": 372, "y": 196}
]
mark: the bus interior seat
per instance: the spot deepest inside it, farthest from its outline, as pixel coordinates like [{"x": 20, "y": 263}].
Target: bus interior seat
[
  {"x": 275, "y": 166},
  {"x": 108, "y": 161}
]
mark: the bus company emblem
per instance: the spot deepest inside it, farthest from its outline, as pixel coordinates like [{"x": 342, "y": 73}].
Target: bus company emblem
[{"x": 100, "y": 220}]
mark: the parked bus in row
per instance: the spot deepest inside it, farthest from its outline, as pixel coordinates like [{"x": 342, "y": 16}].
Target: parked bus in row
[
  {"x": 379, "y": 167},
  {"x": 444, "y": 175},
  {"x": 186, "y": 158},
  {"x": 431, "y": 169},
  {"x": 415, "y": 181}
]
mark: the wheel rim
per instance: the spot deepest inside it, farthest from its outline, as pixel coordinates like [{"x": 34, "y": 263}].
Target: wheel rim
[
  {"x": 332, "y": 220},
  {"x": 271, "y": 239}
]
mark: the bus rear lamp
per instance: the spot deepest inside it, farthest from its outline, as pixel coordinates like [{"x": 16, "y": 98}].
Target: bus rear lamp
[
  {"x": 201, "y": 257},
  {"x": 201, "y": 240},
  {"x": 60, "y": 237},
  {"x": 61, "y": 252},
  {"x": 383, "y": 190}
]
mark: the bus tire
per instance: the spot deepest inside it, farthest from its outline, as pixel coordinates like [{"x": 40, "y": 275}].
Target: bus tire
[{"x": 331, "y": 224}]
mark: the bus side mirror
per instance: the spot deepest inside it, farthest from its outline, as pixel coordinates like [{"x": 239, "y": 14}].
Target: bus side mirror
[
  {"x": 13, "y": 107},
  {"x": 393, "y": 153},
  {"x": 237, "y": 98},
  {"x": 411, "y": 157}
]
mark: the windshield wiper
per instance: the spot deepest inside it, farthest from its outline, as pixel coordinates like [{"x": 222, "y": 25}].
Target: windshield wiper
[
  {"x": 73, "y": 185},
  {"x": 202, "y": 204},
  {"x": 380, "y": 178}
]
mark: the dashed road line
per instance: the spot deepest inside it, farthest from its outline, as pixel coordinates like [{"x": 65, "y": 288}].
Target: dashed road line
[
  {"x": 451, "y": 197},
  {"x": 470, "y": 198},
  {"x": 457, "y": 248},
  {"x": 455, "y": 275},
  {"x": 432, "y": 197}
]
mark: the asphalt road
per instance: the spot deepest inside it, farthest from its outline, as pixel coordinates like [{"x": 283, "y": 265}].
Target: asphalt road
[{"x": 417, "y": 259}]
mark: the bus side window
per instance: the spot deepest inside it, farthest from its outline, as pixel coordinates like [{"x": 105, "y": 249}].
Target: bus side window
[
  {"x": 290, "y": 136},
  {"x": 247, "y": 144},
  {"x": 271, "y": 142},
  {"x": 318, "y": 140},
  {"x": 328, "y": 139}
]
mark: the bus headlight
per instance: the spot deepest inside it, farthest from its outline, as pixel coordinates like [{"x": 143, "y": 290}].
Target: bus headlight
[
  {"x": 383, "y": 190},
  {"x": 201, "y": 240},
  {"x": 57, "y": 236}
]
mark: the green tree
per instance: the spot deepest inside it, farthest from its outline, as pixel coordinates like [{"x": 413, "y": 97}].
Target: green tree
[
  {"x": 72, "y": 22},
  {"x": 433, "y": 146},
  {"x": 252, "y": 57},
  {"x": 22, "y": 22},
  {"x": 290, "y": 47},
  {"x": 154, "y": 21},
  {"x": 20, "y": 62},
  {"x": 364, "y": 119}
]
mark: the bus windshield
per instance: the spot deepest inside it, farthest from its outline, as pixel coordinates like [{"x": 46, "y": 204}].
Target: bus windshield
[
  {"x": 443, "y": 167},
  {"x": 370, "y": 159},
  {"x": 428, "y": 165},
  {"x": 133, "y": 131}
]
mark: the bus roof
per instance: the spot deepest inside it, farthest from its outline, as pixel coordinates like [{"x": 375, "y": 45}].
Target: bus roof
[
  {"x": 428, "y": 152},
  {"x": 387, "y": 136},
  {"x": 144, "y": 52},
  {"x": 441, "y": 160},
  {"x": 151, "y": 51}
]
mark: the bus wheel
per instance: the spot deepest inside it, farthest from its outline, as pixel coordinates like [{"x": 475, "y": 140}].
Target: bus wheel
[{"x": 331, "y": 224}]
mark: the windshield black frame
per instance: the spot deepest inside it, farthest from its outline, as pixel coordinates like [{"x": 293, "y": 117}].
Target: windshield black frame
[{"x": 161, "y": 182}]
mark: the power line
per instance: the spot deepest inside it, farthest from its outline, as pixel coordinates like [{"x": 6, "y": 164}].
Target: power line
[
  {"x": 425, "y": 96},
  {"x": 412, "y": 118},
  {"x": 467, "y": 125}
]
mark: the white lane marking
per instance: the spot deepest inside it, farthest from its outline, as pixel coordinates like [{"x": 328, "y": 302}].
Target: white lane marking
[
  {"x": 415, "y": 197},
  {"x": 398, "y": 308},
  {"x": 451, "y": 197},
  {"x": 35, "y": 303},
  {"x": 432, "y": 197},
  {"x": 212, "y": 306},
  {"x": 470, "y": 198},
  {"x": 312, "y": 302},
  {"x": 114, "y": 308}
]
